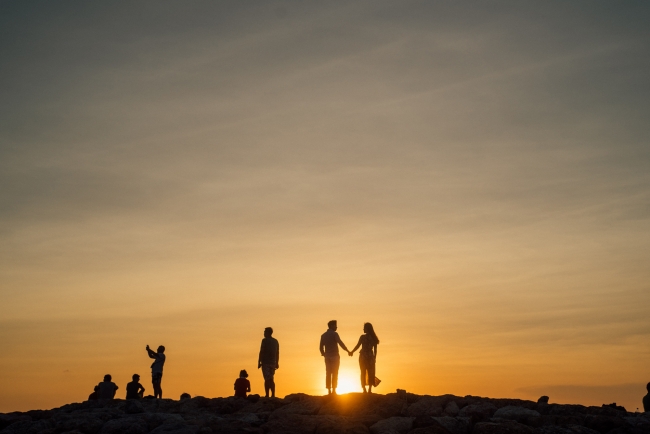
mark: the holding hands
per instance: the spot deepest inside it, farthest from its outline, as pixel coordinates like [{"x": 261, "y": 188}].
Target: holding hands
[{"x": 350, "y": 353}]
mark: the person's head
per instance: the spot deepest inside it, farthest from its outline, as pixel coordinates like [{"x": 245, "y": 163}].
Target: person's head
[
  {"x": 268, "y": 332},
  {"x": 648, "y": 387},
  {"x": 368, "y": 329},
  {"x": 332, "y": 325},
  {"x": 243, "y": 373},
  {"x": 161, "y": 349},
  {"x": 107, "y": 377},
  {"x": 136, "y": 377}
]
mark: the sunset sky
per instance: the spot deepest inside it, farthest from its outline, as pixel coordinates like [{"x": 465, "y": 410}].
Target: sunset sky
[{"x": 471, "y": 177}]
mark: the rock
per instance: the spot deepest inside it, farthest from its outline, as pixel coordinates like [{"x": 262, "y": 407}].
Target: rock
[
  {"x": 432, "y": 429},
  {"x": 455, "y": 425},
  {"x": 478, "y": 412},
  {"x": 28, "y": 427},
  {"x": 338, "y": 425},
  {"x": 305, "y": 407},
  {"x": 133, "y": 406},
  {"x": 176, "y": 429},
  {"x": 393, "y": 425},
  {"x": 451, "y": 409},
  {"x": 509, "y": 427},
  {"x": 253, "y": 398},
  {"x": 604, "y": 424},
  {"x": 291, "y": 424},
  {"x": 185, "y": 396},
  {"x": 543, "y": 400},
  {"x": 568, "y": 429},
  {"x": 426, "y": 406},
  {"x": 127, "y": 425},
  {"x": 84, "y": 423},
  {"x": 520, "y": 414},
  {"x": 154, "y": 420}
]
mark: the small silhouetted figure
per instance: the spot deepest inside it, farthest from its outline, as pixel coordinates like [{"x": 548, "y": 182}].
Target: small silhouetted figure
[
  {"x": 134, "y": 390},
  {"x": 367, "y": 356},
  {"x": 242, "y": 385},
  {"x": 646, "y": 399},
  {"x": 157, "y": 369},
  {"x": 107, "y": 389},
  {"x": 329, "y": 349},
  {"x": 269, "y": 360}
]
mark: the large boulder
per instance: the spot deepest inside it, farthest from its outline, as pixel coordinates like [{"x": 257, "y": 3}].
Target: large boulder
[
  {"x": 568, "y": 429},
  {"x": 604, "y": 424},
  {"x": 426, "y": 406},
  {"x": 393, "y": 425},
  {"x": 133, "y": 406},
  {"x": 510, "y": 427},
  {"x": 455, "y": 425},
  {"x": 28, "y": 427},
  {"x": 451, "y": 409},
  {"x": 291, "y": 424},
  {"x": 304, "y": 406},
  {"x": 517, "y": 413},
  {"x": 127, "y": 425},
  {"x": 82, "y": 422},
  {"x": 478, "y": 412}
]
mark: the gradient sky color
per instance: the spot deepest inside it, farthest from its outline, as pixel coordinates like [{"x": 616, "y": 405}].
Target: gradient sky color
[{"x": 472, "y": 178}]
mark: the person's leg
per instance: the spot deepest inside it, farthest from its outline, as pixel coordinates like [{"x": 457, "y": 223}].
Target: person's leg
[
  {"x": 371, "y": 374},
  {"x": 265, "y": 374},
  {"x": 336, "y": 362},
  {"x": 272, "y": 383},
  {"x": 362, "y": 368},
  {"x": 328, "y": 374}
]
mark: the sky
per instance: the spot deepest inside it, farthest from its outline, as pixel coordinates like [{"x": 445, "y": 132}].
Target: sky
[{"x": 473, "y": 178}]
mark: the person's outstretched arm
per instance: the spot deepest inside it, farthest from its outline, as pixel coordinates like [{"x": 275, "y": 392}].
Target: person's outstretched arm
[
  {"x": 338, "y": 339},
  {"x": 357, "y": 346}
]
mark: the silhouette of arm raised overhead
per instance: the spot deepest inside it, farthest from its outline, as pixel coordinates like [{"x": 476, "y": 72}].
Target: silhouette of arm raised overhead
[{"x": 152, "y": 353}]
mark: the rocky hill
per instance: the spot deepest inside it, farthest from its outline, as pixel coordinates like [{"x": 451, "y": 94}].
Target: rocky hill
[{"x": 394, "y": 413}]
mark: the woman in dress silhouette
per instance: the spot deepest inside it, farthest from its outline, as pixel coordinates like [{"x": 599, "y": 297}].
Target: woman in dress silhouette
[{"x": 367, "y": 356}]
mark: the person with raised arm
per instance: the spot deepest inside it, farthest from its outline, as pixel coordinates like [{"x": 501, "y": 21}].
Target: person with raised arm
[{"x": 157, "y": 369}]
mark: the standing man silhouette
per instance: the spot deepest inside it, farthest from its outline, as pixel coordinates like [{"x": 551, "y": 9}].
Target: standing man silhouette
[
  {"x": 157, "y": 369},
  {"x": 269, "y": 360},
  {"x": 329, "y": 348}
]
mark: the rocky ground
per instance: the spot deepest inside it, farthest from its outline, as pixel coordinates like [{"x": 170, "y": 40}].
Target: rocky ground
[{"x": 393, "y": 413}]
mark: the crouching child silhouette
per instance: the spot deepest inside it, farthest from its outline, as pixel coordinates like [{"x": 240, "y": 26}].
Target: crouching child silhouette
[{"x": 242, "y": 385}]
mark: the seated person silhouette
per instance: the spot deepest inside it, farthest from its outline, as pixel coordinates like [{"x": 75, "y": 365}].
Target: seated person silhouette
[
  {"x": 646, "y": 399},
  {"x": 107, "y": 388},
  {"x": 242, "y": 385},
  {"x": 134, "y": 390}
]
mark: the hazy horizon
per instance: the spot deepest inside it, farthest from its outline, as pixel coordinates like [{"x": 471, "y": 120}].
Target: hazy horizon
[{"x": 473, "y": 179}]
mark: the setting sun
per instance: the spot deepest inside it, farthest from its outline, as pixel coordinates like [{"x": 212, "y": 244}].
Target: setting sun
[{"x": 348, "y": 381}]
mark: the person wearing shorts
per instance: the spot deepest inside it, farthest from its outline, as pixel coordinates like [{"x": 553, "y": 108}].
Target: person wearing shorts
[
  {"x": 269, "y": 360},
  {"x": 157, "y": 369}
]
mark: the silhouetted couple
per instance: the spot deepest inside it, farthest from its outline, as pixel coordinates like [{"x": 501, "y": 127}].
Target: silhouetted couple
[{"x": 329, "y": 349}]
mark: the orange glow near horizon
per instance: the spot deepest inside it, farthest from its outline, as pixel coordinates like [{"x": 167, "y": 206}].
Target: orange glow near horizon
[{"x": 474, "y": 180}]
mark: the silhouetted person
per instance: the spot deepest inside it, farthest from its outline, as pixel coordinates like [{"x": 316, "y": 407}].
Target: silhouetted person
[
  {"x": 242, "y": 385},
  {"x": 157, "y": 369},
  {"x": 646, "y": 399},
  {"x": 367, "y": 356},
  {"x": 95, "y": 395},
  {"x": 107, "y": 388},
  {"x": 269, "y": 360},
  {"x": 329, "y": 348},
  {"x": 134, "y": 390}
]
